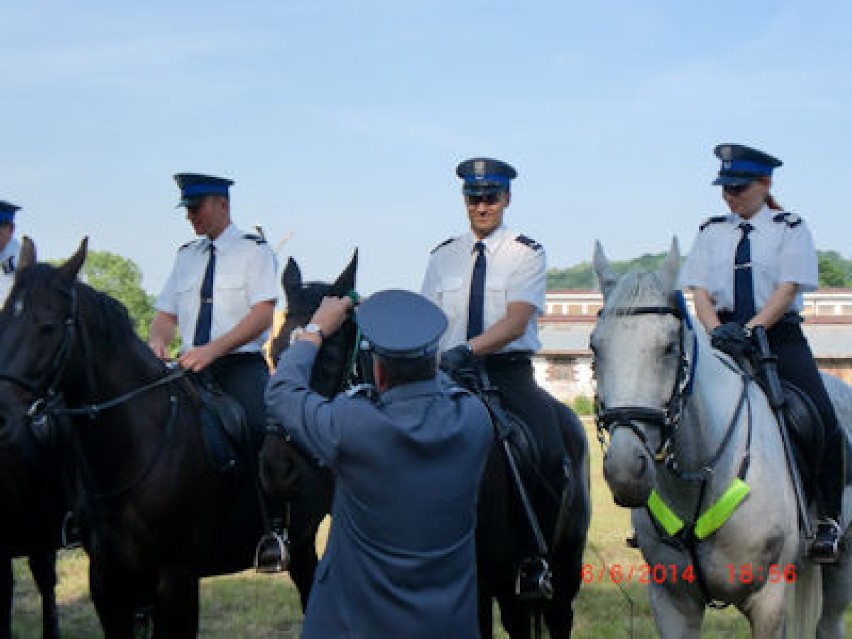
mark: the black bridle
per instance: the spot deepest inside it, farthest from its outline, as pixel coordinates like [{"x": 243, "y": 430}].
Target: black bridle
[
  {"x": 668, "y": 417},
  {"x": 49, "y": 402}
]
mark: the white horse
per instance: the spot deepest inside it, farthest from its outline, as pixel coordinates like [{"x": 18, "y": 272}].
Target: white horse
[{"x": 695, "y": 450}]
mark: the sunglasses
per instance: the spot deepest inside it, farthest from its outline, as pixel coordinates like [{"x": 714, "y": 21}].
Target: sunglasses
[
  {"x": 491, "y": 198},
  {"x": 736, "y": 189}
]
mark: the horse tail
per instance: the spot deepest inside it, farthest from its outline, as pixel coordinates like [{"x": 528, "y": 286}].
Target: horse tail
[{"x": 804, "y": 600}]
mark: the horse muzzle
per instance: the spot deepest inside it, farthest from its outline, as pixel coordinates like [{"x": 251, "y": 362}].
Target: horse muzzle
[{"x": 627, "y": 469}]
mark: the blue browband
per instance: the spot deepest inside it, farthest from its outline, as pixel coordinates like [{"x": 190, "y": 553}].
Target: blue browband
[
  {"x": 205, "y": 188},
  {"x": 744, "y": 166}
]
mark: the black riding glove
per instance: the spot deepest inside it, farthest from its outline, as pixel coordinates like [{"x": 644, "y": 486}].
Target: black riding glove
[
  {"x": 461, "y": 364},
  {"x": 731, "y": 338}
]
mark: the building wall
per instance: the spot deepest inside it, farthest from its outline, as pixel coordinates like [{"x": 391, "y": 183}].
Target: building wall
[{"x": 564, "y": 364}]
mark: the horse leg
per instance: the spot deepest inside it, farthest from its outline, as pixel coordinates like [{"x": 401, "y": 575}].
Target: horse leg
[
  {"x": 678, "y": 616},
  {"x": 484, "y": 611},
  {"x": 515, "y": 617},
  {"x": 836, "y": 595},
  {"x": 176, "y": 607},
  {"x": 112, "y": 595},
  {"x": 6, "y": 586},
  {"x": 765, "y": 611},
  {"x": 43, "y": 568}
]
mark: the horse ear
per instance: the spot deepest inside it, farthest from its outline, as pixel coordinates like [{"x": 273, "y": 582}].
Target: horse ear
[
  {"x": 346, "y": 281},
  {"x": 27, "y": 256},
  {"x": 72, "y": 266},
  {"x": 670, "y": 267},
  {"x": 291, "y": 278},
  {"x": 606, "y": 277}
]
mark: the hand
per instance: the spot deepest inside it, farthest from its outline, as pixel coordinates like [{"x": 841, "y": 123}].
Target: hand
[
  {"x": 197, "y": 358},
  {"x": 332, "y": 313},
  {"x": 731, "y": 338},
  {"x": 460, "y": 363}
]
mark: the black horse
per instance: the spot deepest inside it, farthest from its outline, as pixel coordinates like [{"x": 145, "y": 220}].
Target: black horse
[
  {"x": 503, "y": 535},
  {"x": 159, "y": 514},
  {"x": 33, "y": 503},
  {"x": 33, "y": 506},
  {"x": 287, "y": 476}
]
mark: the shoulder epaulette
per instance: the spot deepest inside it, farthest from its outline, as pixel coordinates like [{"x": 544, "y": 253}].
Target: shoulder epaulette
[
  {"x": 444, "y": 243},
  {"x": 790, "y": 218},
  {"x": 712, "y": 220},
  {"x": 254, "y": 238},
  {"x": 9, "y": 265},
  {"x": 188, "y": 244},
  {"x": 526, "y": 241},
  {"x": 364, "y": 390}
]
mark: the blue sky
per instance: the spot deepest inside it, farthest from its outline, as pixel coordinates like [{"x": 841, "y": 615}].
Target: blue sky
[{"x": 342, "y": 121}]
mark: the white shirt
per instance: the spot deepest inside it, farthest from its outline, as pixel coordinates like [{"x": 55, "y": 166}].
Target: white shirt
[
  {"x": 245, "y": 275},
  {"x": 8, "y": 265},
  {"x": 516, "y": 271},
  {"x": 782, "y": 250}
]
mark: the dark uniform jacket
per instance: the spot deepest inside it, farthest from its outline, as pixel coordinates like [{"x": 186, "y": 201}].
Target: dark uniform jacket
[{"x": 400, "y": 559}]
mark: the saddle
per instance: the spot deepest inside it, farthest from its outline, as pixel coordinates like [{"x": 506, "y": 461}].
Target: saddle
[
  {"x": 224, "y": 428},
  {"x": 804, "y": 426}
]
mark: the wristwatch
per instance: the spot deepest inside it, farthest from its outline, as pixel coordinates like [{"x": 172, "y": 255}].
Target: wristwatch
[{"x": 311, "y": 328}]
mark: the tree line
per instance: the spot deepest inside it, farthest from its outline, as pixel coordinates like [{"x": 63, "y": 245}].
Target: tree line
[
  {"x": 122, "y": 279},
  {"x": 835, "y": 271}
]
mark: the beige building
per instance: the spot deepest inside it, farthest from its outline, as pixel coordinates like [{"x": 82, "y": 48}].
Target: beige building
[{"x": 563, "y": 365}]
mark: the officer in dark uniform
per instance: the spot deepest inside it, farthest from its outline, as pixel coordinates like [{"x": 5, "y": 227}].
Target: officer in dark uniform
[
  {"x": 400, "y": 559},
  {"x": 491, "y": 284},
  {"x": 9, "y": 248},
  {"x": 750, "y": 268},
  {"x": 221, "y": 297}
]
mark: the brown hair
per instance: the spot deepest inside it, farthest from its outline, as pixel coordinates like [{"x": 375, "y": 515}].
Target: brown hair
[{"x": 772, "y": 203}]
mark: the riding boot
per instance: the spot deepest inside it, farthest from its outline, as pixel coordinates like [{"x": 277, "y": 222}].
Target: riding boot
[{"x": 826, "y": 545}]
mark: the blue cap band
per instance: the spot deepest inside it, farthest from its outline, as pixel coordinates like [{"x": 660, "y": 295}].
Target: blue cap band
[
  {"x": 487, "y": 177},
  {"x": 744, "y": 166},
  {"x": 6, "y": 216},
  {"x": 191, "y": 190}
]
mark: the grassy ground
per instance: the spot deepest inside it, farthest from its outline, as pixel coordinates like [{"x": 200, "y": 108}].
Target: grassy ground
[{"x": 259, "y": 606}]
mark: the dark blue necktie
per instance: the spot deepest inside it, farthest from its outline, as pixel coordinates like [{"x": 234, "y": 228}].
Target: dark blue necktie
[
  {"x": 205, "y": 309},
  {"x": 743, "y": 282},
  {"x": 476, "y": 305}
]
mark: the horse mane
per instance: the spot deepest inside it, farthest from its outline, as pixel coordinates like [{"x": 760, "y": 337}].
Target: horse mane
[{"x": 107, "y": 316}]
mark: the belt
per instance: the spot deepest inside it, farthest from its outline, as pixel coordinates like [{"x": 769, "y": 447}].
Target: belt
[
  {"x": 511, "y": 358},
  {"x": 790, "y": 317}
]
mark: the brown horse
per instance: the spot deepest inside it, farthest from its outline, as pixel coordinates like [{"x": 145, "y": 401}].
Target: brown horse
[{"x": 160, "y": 516}]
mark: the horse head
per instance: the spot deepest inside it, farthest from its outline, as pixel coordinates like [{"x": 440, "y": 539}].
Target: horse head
[
  {"x": 281, "y": 466},
  {"x": 638, "y": 351},
  {"x": 36, "y": 326}
]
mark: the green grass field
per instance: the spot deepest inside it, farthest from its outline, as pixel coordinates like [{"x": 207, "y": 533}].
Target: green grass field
[{"x": 251, "y": 605}]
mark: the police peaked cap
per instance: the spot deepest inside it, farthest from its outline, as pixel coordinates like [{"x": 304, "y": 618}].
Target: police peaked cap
[{"x": 400, "y": 323}]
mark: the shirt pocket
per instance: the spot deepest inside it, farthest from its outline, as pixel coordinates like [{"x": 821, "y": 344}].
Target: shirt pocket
[
  {"x": 186, "y": 298},
  {"x": 453, "y": 297},
  {"x": 229, "y": 295},
  {"x": 495, "y": 299}
]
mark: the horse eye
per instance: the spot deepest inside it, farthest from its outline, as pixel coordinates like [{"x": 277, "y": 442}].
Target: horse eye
[{"x": 671, "y": 348}]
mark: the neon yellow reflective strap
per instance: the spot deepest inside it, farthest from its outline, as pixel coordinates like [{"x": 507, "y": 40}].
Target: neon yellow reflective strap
[
  {"x": 718, "y": 513},
  {"x": 664, "y": 515}
]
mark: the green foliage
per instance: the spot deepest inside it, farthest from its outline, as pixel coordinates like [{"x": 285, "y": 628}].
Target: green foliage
[
  {"x": 834, "y": 271},
  {"x": 120, "y": 278},
  {"x": 583, "y": 405}
]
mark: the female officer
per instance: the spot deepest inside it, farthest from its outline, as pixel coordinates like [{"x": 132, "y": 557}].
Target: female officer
[{"x": 750, "y": 269}]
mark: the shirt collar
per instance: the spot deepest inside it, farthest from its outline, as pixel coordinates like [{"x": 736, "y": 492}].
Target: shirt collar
[
  {"x": 413, "y": 389},
  {"x": 227, "y": 236},
  {"x": 492, "y": 241},
  {"x": 760, "y": 219}
]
